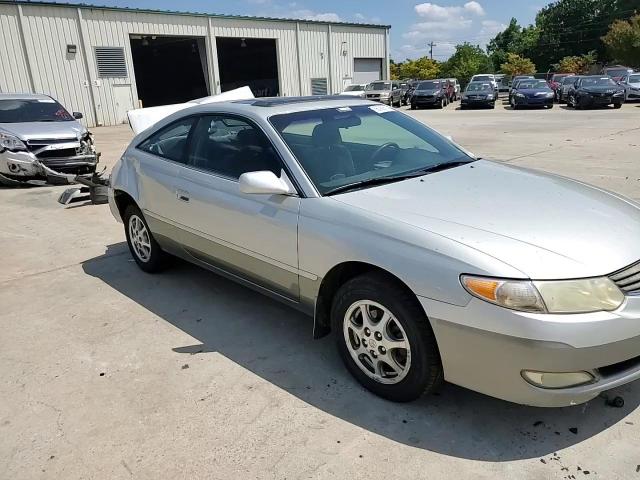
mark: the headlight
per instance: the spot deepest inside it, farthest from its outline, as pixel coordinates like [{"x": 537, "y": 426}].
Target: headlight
[
  {"x": 557, "y": 296},
  {"x": 520, "y": 95},
  {"x": 618, "y": 94},
  {"x": 10, "y": 142},
  {"x": 384, "y": 94},
  {"x": 550, "y": 94}
]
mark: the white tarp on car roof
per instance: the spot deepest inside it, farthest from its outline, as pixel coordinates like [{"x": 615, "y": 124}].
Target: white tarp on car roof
[{"x": 143, "y": 118}]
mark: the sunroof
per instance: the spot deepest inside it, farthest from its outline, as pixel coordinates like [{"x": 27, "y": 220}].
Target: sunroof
[{"x": 275, "y": 101}]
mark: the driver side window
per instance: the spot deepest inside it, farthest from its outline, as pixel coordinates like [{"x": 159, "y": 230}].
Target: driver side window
[{"x": 171, "y": 141}]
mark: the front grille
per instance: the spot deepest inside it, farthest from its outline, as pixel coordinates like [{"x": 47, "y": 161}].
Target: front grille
[
  {"x": 67, "y": 152},
  {"x": 616, "y": 368},
  {"x": 36, "y": 144},
  {"x": 628, "y": 279}
]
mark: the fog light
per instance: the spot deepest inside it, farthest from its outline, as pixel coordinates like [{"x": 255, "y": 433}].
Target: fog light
[{"x": 557, "y": 380}]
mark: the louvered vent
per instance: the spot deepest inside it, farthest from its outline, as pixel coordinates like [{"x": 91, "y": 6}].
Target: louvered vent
[
  {"x": 318, "y": 86},
  {"x": 110, "y": 62}
]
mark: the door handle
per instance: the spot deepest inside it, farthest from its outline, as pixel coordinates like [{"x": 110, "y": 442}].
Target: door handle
[{"x": 182, "y": 195}]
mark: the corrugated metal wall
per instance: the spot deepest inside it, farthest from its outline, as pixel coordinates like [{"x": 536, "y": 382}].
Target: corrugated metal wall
[
  {"x": 13, "y": 67},
  {"x": 325, "y": 51}
]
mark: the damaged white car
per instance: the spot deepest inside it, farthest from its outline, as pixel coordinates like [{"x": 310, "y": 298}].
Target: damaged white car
[{"x": 41, "y": 141}]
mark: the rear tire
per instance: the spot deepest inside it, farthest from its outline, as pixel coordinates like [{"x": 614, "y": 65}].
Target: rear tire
[
  {"x": 144, "y": 249},
  {"x": 394, "y": 319},
  {"x": 617, "y": 105}
]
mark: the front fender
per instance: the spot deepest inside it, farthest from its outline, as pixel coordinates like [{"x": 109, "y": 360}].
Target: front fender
[{"x": 123, "y": 180}]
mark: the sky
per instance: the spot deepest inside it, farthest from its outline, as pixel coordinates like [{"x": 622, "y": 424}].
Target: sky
[{"x": 414, "y": 24}]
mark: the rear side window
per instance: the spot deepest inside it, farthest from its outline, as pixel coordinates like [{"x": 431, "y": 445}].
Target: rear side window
[{"x": 171, "y": 141}]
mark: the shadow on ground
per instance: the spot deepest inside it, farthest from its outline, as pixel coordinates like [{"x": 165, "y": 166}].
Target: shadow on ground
[{"x": 275, "y": 343}]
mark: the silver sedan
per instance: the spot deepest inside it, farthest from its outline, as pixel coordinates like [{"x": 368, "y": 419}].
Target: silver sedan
[{"x": 426, "y": 263}]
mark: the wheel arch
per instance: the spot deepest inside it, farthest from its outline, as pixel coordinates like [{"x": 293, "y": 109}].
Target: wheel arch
[
  {"x": 333, "y": 280},
  {"x": 123, "y": 200}
]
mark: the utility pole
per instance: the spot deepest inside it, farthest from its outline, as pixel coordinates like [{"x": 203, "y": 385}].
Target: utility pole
[{"x": 431, "y": 45}]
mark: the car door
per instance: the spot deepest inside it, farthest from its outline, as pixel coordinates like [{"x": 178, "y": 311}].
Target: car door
[
  {"x": 161, "y": 157},
  {"x": 251, "y": 236}
]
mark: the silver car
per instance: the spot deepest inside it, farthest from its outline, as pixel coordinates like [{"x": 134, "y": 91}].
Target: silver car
[
  {"x": 388, "y": 92},
  {"x": 631, "y": 84},
  {"x": 425, "y": 263},
  {"x": 41, "y": 140}
]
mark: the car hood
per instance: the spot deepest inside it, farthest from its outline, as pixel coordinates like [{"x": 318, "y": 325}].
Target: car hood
[
  {"x": 545, "y": 226},
  {"x": 45, "y": 130}
]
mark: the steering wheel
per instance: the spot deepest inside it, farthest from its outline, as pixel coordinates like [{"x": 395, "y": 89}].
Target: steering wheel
[
  {"x": 156, "y": 148},
  {"x": 382, "y": 148}
]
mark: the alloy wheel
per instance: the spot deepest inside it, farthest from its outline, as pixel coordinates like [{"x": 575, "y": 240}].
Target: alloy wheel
[
  {"x": 140, "y": 239},
  {"x": 377, "y": 342}
]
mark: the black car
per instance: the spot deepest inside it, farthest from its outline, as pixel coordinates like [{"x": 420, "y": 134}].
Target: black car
[
  {"x": 595, "y": 90},
  {"x": 478, "y": 94},
  {"x": 430, "y": 93},
  {"x": 532, "y": 93}
]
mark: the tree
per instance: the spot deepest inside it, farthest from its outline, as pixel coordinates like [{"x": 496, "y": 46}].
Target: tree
[
  {"x": 623, "y": 41},
  {"x": 422, "y": 68},
  {"x": 564, "y": 28},
  {"x": 576, "y": 64},
  {"x": 517, "y": 65},
  {"x": 467, "y": 61}
]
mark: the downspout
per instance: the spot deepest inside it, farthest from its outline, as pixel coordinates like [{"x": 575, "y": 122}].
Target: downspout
[
  {"x": 23, "y": 41},
  {"x": 85, "y": 55},
  {"x": 330, "y": 59},
  {"x": 298, "y": 58},
  {"x": 386, "y": 54}
]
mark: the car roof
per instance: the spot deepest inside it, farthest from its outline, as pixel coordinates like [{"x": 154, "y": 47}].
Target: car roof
[
  {"x": 24, "y": 96},
  {"x": 267, "y": 106}
]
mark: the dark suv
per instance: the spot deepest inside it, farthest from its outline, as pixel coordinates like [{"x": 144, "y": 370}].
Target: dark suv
[{"x": 430, "y": 93}]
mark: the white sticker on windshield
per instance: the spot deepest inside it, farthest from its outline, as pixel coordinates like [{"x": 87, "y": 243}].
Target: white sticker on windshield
[
  {"x": 46, "y": 100},
  {"x": 381, "y": 108},
  {"x": 344, "y": 109}
]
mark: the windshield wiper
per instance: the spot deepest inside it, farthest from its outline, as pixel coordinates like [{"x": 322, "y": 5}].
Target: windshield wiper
[
  {"x": 370, "y": 182},
  {"x": 396, "y": 178},
  {"x": 438, "y": 167}
]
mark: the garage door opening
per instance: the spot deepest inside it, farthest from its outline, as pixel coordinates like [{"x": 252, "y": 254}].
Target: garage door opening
[
  {"x": 169, "y": 69},
  {"x": 249, "y": 61},
  {"x": 367, "y": 70}
]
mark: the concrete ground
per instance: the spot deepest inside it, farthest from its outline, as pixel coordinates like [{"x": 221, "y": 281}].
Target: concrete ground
[{"x": 111, "y": 373}]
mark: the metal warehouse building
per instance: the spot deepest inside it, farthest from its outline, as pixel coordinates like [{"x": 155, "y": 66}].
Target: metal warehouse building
[{"x": 105, "y": 61}]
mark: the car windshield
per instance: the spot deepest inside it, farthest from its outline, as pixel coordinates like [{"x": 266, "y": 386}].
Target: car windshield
[
  {"x": 354, "y": 88},
  {"x": 568, "y": 80},
  {"x": 484, "y": 78},
  {"x": 379, "y": 86},
  {"x": 32, "y": 110},
  {"x": 598, "y": 82},
  {"x": 559, "y": 78},
  {"x": 532, "y": 84},
  {"x": 428, "y": 86},
  {"x": 478, "y": 87},
  {"x": 617, "y": 72},
  {"x": 363, "y": 144},
  {"x": 634, "y": 79}
]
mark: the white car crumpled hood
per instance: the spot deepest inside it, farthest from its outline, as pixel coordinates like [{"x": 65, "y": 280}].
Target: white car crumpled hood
[{"x": 546, "y": 226}]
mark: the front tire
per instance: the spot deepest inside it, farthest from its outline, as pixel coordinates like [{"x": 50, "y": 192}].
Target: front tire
[
  {"x": 385, "y": 339},
  {"x": 144, "y": 249},
  {"x": 617, "y": 105}
]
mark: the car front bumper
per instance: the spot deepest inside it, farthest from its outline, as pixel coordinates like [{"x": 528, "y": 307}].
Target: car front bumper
[
  {"x": 534, "y": 101},
  {"x": 486, "y": 348},
  {"x": 470, "y": 101},
  {"x": 23, "y": 166},
  {"x": 593, "y": 101},
  {"x": 425, "y": 101}
]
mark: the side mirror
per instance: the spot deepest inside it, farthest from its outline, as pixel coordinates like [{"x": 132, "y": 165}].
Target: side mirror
[
  {"x": 77, "y": 115},
  {"x": 263, "y": 182}
]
